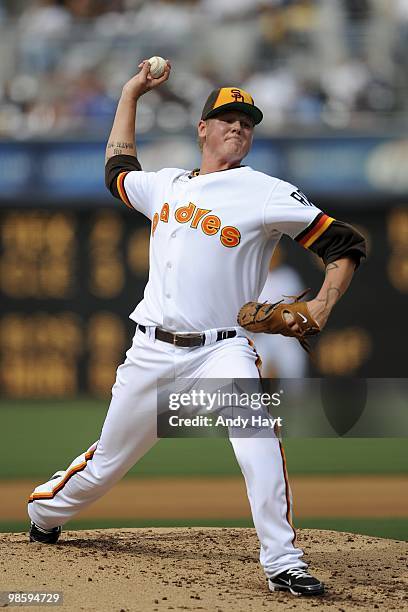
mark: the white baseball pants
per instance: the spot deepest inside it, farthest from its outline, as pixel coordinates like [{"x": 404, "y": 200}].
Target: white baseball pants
[{"x": 129, "y": 431}]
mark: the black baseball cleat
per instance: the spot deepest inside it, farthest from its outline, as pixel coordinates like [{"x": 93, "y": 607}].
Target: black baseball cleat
[
  {"x": 45, "y": 536},
  {"x": 297, "y": 581}
]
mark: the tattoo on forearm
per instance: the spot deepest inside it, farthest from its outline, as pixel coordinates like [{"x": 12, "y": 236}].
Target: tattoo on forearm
[
  {"x": 331, "y": 266},
  {"x": 120, "y": 147},
  {"x": 332, "y": 296},
  {"x": 125, "y": 145},
  {"x": 334, "y": 291}
]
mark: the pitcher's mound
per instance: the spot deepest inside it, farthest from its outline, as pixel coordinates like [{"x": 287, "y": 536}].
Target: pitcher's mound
[{"x": 201, "y": 569}]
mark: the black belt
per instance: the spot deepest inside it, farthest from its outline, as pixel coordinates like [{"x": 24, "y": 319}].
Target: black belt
[{"x": 186, "y": 340}]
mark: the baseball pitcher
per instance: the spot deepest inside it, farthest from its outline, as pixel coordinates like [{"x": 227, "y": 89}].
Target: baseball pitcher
[{"x": 213, "y": 231}]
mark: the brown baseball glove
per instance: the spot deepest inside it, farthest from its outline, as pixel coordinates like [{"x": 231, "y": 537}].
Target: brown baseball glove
[{"x": 271, "y": 318}]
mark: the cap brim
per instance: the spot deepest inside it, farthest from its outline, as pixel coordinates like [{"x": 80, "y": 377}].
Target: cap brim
[{"x": 248, "y": 109}]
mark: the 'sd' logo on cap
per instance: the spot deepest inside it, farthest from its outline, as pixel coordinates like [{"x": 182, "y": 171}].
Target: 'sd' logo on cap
[{"x": 237, "y": 95}]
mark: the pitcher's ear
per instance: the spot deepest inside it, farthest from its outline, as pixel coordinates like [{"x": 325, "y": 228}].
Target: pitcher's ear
[{"x": 202, "y": 128}]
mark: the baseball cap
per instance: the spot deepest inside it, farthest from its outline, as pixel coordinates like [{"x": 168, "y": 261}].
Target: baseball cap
[{"x": 231, "y": 98}]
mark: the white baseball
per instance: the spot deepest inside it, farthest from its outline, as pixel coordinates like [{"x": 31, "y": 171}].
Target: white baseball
[{"x": 157, "y": 66}]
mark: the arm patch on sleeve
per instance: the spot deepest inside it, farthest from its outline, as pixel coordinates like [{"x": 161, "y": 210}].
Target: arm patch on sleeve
[
  {"x": 116, "y": 169},
  {"x": 340, "y": 240}
]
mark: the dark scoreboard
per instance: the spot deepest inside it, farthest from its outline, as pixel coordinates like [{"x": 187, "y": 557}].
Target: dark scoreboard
[
  {"x": 68, "y": 281},
  {"x": 70, "y": 277}
]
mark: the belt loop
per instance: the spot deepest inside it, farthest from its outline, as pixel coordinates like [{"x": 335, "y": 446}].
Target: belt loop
[
  {"x": 150, "y": 331},
  {"x": 210, "y": 337}
]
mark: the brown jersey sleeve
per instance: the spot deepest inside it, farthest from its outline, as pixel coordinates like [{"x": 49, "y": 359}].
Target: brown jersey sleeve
[
  {"x": 116, "y": 168},
  {"x": 340, "y": 240}
]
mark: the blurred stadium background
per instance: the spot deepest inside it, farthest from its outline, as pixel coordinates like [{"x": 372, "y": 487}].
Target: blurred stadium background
[{"x": 332, "y": 79}]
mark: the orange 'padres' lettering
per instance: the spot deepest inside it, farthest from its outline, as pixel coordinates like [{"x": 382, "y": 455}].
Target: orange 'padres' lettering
[
  {"x": 201, "y": 212},
  {"x": 164, "y": 213},
  {"x": 230, "y": 236},
  {"x": 155, "y": 222},
  {"x": 211, "y": 225},
  {"x": 185, "y": 213}
]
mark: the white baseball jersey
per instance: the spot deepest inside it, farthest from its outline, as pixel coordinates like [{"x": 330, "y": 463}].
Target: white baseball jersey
[{"x": 212, "y": 239}]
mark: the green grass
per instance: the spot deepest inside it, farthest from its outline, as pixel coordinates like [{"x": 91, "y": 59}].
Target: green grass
[
  {"x": 392, "y": 528},
  {"x": 40, "y": 437},
  {"x": 395, "y": 529}
]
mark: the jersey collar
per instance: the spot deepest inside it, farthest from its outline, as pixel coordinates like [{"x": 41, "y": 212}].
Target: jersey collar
[{"x": 196, "y": 171}]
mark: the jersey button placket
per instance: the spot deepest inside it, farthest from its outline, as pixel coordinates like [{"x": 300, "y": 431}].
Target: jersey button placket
[
  {"x": 174, "y": 248},
  {"x": 168, "y": 280}
]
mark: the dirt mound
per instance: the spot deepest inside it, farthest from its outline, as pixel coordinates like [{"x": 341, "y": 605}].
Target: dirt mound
[{"x": 206, "y": 569}]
